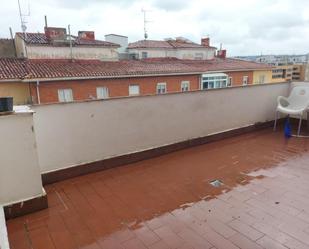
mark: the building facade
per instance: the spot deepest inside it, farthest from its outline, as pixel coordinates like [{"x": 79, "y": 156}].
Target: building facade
[
  {"x": 180, "y": 48},
  {"x": 51, "y": 81},
  {"x": 299, "y": 72},
  {"x": 55, "y": 43},
  {"x": 282, "y": 73}
]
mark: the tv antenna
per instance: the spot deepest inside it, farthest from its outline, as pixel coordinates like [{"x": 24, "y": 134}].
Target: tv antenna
[
  {"x": 23, "y": 18},
  {"x": 145, "y": 22}
]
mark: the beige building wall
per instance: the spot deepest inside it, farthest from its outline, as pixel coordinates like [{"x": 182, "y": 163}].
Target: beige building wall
[
  {"x": 262, "y": 76},
  {"x": 286, "y": 75},
  {"x": 19, "y": 91},
  {"x": 306, "y": 72},
  {"x": 20, "y": 177},
  {"x": 205, "y": 54},
  {"x": 20, "y": 47},
  {"x": 47, "y": 52},
  {"x": 64, "y": 52},
  {"x": 76, "y": 133}
]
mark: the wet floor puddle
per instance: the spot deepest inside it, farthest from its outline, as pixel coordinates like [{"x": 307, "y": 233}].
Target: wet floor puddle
[{"x": 140, "y": 197}]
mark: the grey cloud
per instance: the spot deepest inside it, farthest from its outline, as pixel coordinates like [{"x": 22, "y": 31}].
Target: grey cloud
[
  {"x": 80, "y": 4},
  {"x": 171, "y": 5}
]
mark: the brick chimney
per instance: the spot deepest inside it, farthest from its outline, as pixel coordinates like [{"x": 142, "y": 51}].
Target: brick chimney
[
  {"x": 221, "y": 53},
  {"x": 53, "y": 33},
  {"x": 205, "y": 42},
  {"x": 86, "y": 35}
]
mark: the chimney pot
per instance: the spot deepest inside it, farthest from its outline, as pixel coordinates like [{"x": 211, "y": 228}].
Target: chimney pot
[
  {"x": 53, "y": 33},
  {"x": 221, "y": 53},
  {"x": 86, "y": 35},
  {"x": 205, "y": 42}
]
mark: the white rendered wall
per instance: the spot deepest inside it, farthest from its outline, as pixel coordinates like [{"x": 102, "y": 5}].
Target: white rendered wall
[
  {"x": 76, "y": 133},
  {"x": 46, "y": 52},
  {"x": 121, "y": 40},
  {"x": 4, "y": 241},
  {"x": 20, "y": 177},
  {"x": 190, "y": 54}
]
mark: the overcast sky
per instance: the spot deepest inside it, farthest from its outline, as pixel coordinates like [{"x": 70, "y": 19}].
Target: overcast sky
[{"x": 245, "y": 27}]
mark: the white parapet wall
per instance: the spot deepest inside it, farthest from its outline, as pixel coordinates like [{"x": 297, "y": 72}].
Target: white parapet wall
[
  {"x": 4, "y": 242},
  {"x": 20, "y": 177},
  {"x": 77, "y": 133}
]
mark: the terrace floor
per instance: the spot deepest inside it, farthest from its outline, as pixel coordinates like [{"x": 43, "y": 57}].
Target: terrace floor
[{"x": 168, "y": 202}]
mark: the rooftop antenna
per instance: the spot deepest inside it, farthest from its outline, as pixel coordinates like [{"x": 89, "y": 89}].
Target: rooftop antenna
[
  {"x": 70, "y": 40},
  {"x": 145, "y": 22},
  {"x": 23, "y": 25},
  {"x": 23, "y": 19},
  {"x": 45, "y": 17}
]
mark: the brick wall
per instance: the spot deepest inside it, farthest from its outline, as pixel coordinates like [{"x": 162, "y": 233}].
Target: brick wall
[
  {"x": 238, "y": 77},
  {"x": 86, "y": 89}
]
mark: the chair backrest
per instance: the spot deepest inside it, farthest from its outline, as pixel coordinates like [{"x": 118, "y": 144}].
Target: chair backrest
[{"x": 299, "y": 96}]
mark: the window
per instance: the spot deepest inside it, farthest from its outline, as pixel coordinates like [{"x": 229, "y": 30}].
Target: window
[
  {"x": 161, "y": 88},
  {"x": 65, "y": 95},
  {"x": 262, "y": 79},
  {"x": 245, "y": 80},
  {"x": 144, "y": 55},
  {"x": 198, "y": 56},
  {"x": 185, "y": 86},
  {"x": 230, "y": 83},
  {"x": 102, "y": 92},
  {"x": 133, "y": 90},
  {"x": 210, "y": 81}
]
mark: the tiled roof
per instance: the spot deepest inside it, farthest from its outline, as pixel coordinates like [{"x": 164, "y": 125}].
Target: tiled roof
[
  {"x": 12, "y": 68},
  {"x": 39, "y": 69},
  {"x": 168, "y": 44},
  {"x": 41, "y": 39}
]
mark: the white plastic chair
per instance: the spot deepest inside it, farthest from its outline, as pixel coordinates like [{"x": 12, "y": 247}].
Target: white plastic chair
[{"x": 296, "y": 104}]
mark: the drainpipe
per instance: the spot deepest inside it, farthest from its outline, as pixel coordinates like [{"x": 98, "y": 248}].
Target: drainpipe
[{"x": 38, "y": 91}]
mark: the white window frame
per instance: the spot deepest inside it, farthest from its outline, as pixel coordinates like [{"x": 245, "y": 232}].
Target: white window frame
[
  {"x": 185, "y": 86},
  {"x": 214, "y": 81},
  {"x": 100, "y": 90},
  {"x": 134, "y": 90},
  {"x": 245, "y": 80},
  {"x": 230, "y": 81},
  {"x": 160, "y": 87},
  {"x": 65, "y": 95}
]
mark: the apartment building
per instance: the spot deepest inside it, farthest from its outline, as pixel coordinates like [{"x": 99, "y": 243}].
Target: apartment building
[
  {"x": 282, "y": 73},
  {"x": 180, "y": 48},
  {"x": 51, "y": 81},
  {"x": 299, "y": 71},
  {"x": 56, "y": 43}
]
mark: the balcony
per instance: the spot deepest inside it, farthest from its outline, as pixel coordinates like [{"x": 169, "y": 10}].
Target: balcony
[{"x": 214, "y": 174}]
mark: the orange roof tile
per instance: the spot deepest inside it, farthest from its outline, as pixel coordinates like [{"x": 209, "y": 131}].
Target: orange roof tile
[{"x": 38, "y": 69}]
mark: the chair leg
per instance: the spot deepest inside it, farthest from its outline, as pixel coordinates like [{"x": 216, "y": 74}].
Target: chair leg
[
  {"x": 299, "y": 125},
  {"x": 276, "y": 117}
]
